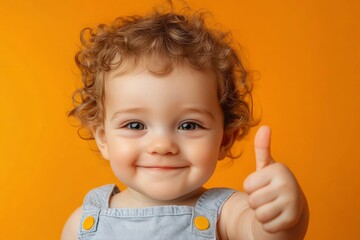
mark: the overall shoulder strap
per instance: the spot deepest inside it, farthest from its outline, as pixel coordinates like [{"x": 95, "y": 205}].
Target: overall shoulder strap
[
  {"x": 207, "y": 210},
  {"x": 94, "y": 201},
  {"x": 214, "y": 198},
  {"x": 99, "y": 197}
]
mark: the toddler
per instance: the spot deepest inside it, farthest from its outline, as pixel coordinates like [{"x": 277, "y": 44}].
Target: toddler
[{"x": 165, "y": 97}]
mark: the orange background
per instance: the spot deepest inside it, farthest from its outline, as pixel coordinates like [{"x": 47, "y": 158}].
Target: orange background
[{"x": 307, "y": 53}]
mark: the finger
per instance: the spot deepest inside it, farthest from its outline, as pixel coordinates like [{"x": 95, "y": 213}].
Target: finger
[
  {"x": 268, "y": 212},
  {"x": 279, "y": 223},
  {"x": 262, "y": 196},
  {"x": 257, "y": 180},
  {"x": 262, "y": 147}
]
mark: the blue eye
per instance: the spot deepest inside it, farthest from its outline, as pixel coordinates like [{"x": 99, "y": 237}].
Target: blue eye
[
  {"x": 135, "y": 126},
  {"x": 188, "y": 126}
]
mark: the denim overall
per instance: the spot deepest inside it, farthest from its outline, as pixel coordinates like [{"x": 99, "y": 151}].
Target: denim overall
[{"x": 99, "y": 222}]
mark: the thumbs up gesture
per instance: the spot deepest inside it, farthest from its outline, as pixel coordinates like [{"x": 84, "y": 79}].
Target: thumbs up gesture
[{"x": 273, "y": 191}]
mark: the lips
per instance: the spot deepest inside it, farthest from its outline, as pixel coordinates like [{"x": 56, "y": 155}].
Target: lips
[{"x": 163, "y": 167}]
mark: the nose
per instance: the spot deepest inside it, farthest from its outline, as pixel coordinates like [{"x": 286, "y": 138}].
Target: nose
[{"x": 163, "y": 144}]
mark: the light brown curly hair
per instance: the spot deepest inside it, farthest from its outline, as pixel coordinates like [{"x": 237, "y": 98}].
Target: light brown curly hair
[{"x": 168, "y": 38}]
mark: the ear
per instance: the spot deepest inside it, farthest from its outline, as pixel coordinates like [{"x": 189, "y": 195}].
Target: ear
[
  {"x": 226, "y": 143},
  {"x": 100, "y": 138}
]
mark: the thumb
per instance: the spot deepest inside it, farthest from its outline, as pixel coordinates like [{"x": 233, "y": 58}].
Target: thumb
[{"x": 262, "y": 147}]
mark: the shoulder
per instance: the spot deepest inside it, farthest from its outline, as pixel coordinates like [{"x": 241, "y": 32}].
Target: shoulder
[
  {"x": 234, "y": 219},
  {"x": 238, "y": 200},
  {"x": 97, "y": 197},
  {"x": 70, "y": 230}
]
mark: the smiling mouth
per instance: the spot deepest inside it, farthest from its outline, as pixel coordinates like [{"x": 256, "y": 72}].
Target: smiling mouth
[{"x": 164, "y": 168}]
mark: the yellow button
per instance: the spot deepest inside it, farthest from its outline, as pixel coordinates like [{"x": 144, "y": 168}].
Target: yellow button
[
  {"x": 88, "y": 223},
  {"x": 201, "y": 223}
]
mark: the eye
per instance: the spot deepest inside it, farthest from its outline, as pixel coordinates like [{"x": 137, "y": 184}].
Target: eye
[
  {"x": 135, "y": 126},
  {"x": 188, "y": 126}
]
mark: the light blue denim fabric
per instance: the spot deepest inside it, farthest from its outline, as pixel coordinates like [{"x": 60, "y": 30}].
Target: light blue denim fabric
[{"x": 150, "y": 223}]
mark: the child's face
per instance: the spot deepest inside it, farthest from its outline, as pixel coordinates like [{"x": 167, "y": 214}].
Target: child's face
[{"x": 162, "y": 134}]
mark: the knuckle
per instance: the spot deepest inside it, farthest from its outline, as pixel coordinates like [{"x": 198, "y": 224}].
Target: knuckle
[
  {"x": 280, "y": 185},
  {"x": 261, "y": 215},
  {"x": 280, "y": 167},
  {"x": 248, "y": 184},
  {"x": 252, "y": 202}
]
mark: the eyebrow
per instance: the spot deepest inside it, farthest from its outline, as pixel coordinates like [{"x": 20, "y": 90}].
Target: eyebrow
[
  {"x": 141, "y": 110},
  {"x": 128, "y": 110},
  {"x": 201, "y": 111}
]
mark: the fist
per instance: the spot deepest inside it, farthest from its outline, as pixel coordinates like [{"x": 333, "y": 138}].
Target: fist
[{"x": 273, "y": 191}]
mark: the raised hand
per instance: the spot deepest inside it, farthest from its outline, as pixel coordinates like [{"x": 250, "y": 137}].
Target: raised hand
[{"x": 274, "y": 193}]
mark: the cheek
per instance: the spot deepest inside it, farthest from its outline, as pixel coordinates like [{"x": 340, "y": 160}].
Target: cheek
[
  {"x": 204, "y": 152},
  {"x": 122, "y": 158},
  {"x": 203, "y": 156},
  {"x": 122, "y": 155}
]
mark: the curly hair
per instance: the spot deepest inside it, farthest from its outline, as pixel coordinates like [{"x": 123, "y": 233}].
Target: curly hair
[{"x": 170, "y": 38}]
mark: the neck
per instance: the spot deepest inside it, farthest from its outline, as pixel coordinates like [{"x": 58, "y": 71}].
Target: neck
[{"x": 130, "y": 198}]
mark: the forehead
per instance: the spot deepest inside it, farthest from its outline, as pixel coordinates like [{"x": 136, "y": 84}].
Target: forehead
[
  {"x": 150, "y": 67},
  {"x": 139, "y": 87}
]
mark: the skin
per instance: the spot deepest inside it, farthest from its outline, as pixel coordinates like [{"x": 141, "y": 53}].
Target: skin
[
  {"x": 169, "y": 130},
  {"x": 273, "y": 206}
]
